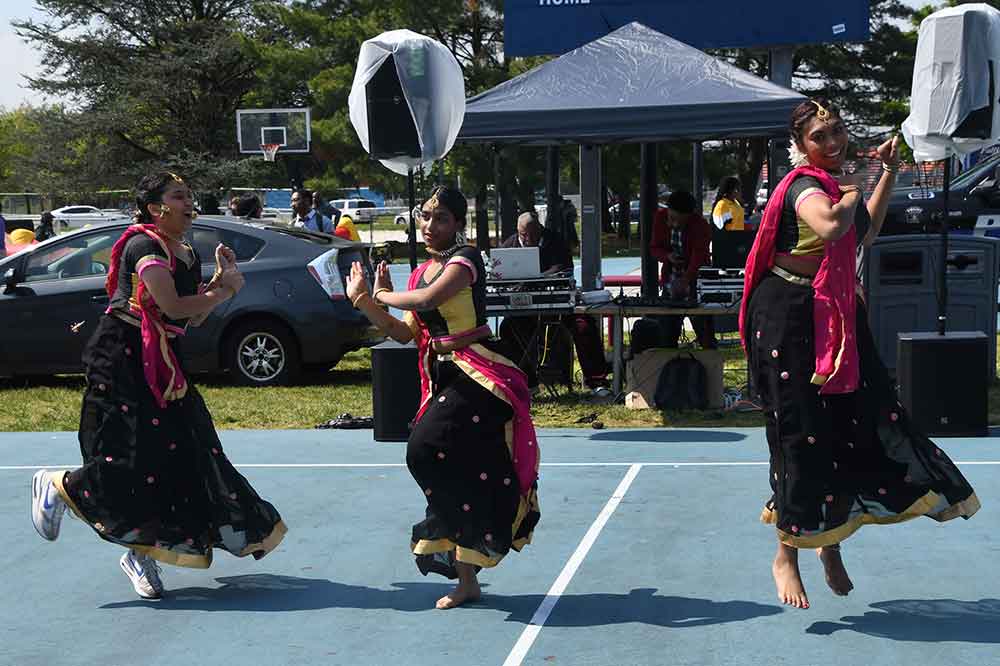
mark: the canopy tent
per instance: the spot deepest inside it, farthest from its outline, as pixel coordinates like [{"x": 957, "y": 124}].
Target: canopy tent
[{"x": 633, "y": 85}]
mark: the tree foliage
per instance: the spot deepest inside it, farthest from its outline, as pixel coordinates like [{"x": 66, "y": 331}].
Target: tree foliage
[{"x": 151, "y": 85}]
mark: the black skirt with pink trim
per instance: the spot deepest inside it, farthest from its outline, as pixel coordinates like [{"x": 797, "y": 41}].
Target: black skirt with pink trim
[
  {"x": 157, "y": 480},
  {"x": 460, "y": 456},
  {"x": 838, "y": 461}
]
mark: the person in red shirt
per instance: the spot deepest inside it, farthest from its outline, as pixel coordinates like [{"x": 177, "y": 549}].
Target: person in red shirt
[{"x": 681, "y": 238}]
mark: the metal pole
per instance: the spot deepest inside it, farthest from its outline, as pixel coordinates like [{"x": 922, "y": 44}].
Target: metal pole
[
  {"x": 647, "y": 213},
  {"x": 553, "y": 217},
  {"x": 590, "y": 217},
  {"x": 413, "y": 223},
  {"x": 943, "y": 261},
  {"x": 698, "y": 177}
]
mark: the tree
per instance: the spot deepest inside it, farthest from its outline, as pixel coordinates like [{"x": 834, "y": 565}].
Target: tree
[{"x": 149, "y": 81}]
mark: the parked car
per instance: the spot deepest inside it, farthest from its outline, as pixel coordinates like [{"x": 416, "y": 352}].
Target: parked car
[
  {"x": 74, "y": 217},
  {"x": 916, "y": 209},
  {"x": 355, "y": 210},
  {"x": 291, "y": 315}
]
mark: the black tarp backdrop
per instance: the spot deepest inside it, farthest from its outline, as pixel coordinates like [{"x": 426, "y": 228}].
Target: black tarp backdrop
[{"x": 634, "y": 85}]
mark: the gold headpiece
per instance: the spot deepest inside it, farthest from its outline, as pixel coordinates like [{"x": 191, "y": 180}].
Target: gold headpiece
[
  {"x": 433, "y": 202},
  {"x": 175, "y": 177},
  {"x": 821, "y": 112}
]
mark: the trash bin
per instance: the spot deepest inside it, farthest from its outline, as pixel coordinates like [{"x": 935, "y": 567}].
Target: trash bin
[
  {"x": 901, "y": 277},
  {"x": 395, "y": 390}
]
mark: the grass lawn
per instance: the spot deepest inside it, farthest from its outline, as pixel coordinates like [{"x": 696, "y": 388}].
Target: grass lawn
[{"x": 53, "y": 403}]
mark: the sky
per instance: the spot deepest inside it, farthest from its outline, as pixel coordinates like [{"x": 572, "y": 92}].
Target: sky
[{"x": 17, "y": 59}]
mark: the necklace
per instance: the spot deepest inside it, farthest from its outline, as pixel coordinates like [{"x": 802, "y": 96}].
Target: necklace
[{"x": 445, "y": 254}]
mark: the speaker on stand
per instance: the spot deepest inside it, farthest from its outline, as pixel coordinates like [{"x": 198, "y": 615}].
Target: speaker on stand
[{"x": 942, "y": 377}]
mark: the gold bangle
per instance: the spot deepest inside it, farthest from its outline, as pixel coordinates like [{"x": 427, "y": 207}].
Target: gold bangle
[
  {"x": 890, "y": 168},
  {"x": 358, "y": 299},
  {"x": 379, "y": 291}
]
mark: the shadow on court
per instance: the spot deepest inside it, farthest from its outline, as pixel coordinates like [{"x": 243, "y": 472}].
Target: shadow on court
[
  {"x": 668, "y": 435},
  {"x": 273, "y": 593},
  {"x": 924, "y": 620}
]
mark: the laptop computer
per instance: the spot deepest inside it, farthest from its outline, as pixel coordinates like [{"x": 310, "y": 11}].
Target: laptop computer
[{"x": 514, "y": 263}]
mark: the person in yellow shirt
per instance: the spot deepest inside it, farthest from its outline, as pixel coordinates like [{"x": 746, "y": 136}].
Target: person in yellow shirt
[{"x": 727, "y": 213}]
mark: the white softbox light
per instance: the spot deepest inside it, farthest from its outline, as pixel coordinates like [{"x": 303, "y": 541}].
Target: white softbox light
[
  {"x": 436, "y": 98},
  {"x": 955, "y": 75}
]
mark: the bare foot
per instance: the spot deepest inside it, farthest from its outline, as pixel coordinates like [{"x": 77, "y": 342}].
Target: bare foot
[
  {"x": 836, "y": 574},
  {"x": 461, "y": 594},
  {"x": 787, "y": 579}
]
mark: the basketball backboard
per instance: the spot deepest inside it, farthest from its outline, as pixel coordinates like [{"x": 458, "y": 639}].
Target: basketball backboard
[
  {"x": 713, "y": 24},
  {"x": 288, "y": 128}
]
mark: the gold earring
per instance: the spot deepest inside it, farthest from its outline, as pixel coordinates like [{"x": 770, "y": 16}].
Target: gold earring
[{"x": 164, "y": 210}]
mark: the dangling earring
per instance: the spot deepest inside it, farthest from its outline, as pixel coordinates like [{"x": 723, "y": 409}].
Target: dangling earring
[
  {"x": 164, "y": 210},
  {"x": 460, "y": 238}
]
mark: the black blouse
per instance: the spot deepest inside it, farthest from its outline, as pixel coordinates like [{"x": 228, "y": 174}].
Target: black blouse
[
  {"x": 795, "y": 236},
  {"x": 139, "y": 251}
]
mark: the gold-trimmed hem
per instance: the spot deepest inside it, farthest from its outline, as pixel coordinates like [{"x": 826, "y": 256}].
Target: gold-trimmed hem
[
  {"x": 964, "y": 509},
  {"x": 471, "y": 556},
  {"x": 163, "y": 554},
  {"x": 176, "y": 559},
  {"x": 920, "y": 507},
  {"x": 819, "y": 379},
  {"x": 269, "y": 543}
]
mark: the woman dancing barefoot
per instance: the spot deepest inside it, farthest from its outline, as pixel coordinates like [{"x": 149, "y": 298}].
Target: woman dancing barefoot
[
  {"x": 472, "y": 450},
  {"x": 843, "y": 451}
]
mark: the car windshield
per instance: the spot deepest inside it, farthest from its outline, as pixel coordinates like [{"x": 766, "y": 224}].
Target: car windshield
[
  {"x": 319, "y": 239},
  {"x": 976, "y": 172}
]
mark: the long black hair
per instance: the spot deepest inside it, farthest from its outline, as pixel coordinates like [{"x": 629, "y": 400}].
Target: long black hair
[{"x": 727, "y": 185}]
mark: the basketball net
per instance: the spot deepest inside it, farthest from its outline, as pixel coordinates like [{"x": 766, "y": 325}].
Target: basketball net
[{"x": 270, "y": 150}]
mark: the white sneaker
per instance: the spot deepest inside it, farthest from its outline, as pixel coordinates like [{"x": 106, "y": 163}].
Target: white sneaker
[
  {"x": 47, "y": 507},
  {"x": 144, "y": 573}
]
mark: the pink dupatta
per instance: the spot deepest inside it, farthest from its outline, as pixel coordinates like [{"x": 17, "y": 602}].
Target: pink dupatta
[
  {"x": 837, "y": 367},
  {"x": 161, "y": 367},
  {"x": 502, "y": 378}
]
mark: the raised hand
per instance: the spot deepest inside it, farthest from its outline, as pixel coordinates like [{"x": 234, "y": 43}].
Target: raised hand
[
  {"x": 888, "y": 152},
  {"x": 356, "y": 283},
  {"x": 383, "y": 280},
  {"x": 225, "y": 258}
]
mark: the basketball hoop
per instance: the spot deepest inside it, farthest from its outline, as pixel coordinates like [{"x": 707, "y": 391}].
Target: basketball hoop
[{"x": 270, "y": 150}]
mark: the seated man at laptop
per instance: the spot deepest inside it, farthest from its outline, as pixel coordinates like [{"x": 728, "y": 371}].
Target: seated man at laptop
[{"x": 554, "y": 257}]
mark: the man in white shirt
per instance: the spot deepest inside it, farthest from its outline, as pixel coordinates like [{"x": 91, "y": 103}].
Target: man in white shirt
[{"x": 306, "y": 216}]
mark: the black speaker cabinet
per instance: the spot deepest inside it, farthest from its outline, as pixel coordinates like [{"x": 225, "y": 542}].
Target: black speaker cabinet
[
  {"x": 391, "y": 130},
  {"x": 395, "y": 390},
  {"x": 943, "y": 382}
]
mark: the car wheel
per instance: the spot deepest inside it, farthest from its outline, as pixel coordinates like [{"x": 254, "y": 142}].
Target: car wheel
[{"x": 262, "y": 353}]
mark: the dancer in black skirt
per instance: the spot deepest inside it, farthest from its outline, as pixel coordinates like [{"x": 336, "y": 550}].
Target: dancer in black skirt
[
  {"x": 154, "y": 477},
  {"x": 843, "y": 451},
  {"x": 472, "y": 449}
]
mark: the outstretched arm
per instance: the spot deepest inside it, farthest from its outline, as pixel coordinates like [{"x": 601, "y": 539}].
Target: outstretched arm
[{"x": 357, "y": 291}]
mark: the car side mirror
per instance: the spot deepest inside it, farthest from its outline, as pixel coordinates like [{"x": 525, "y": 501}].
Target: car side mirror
[{"x": 9, "y": 280}]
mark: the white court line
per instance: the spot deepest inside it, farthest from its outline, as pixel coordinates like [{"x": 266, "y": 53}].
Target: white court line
[
  {"x": 721, "y": 463},
  {"x": 541, "y": 615}
]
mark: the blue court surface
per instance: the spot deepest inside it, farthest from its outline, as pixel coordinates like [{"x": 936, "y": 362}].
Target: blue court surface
[{"x": 649, "y": 552}]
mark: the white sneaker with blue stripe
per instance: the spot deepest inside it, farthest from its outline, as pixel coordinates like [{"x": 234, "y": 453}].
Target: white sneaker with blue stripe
[
  {"x": 144, "y": 573},
  {"x": 47, "y": 507}
]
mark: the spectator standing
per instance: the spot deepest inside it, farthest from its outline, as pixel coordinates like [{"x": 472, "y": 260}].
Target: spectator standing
[
  {"x": 727, "y": 212},
  {"x": 306, "y": 217},
  {"x": 681, "y": 238}
]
